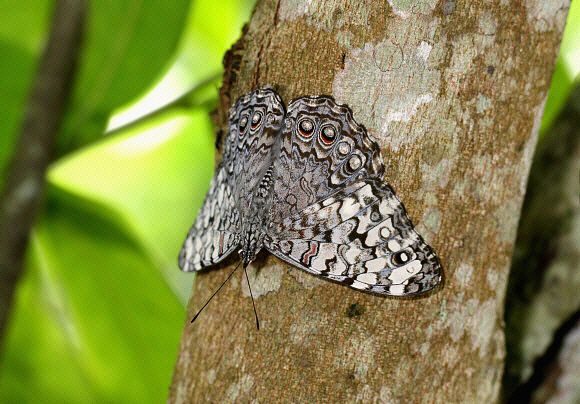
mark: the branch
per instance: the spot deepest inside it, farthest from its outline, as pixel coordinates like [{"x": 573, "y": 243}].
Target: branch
[
  {"x": 22, "y": 193},
  {"x": 543, "y": 286}
]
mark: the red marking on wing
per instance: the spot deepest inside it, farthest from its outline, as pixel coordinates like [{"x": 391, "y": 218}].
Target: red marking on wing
[
  {"x": 221, "y": 243},
  {"x": 307, "y": 257}
]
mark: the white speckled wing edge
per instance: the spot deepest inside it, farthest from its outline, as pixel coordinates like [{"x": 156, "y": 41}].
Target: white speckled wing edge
[{"x": 208, "y": 242}]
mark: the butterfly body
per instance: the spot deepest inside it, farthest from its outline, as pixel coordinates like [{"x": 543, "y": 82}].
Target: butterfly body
[
  {"x": 306, "y": 185},
  {"x": 254, "y": 228}
]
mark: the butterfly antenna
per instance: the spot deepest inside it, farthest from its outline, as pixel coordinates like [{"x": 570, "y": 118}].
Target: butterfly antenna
[
  {"x": 253, "y": 304},
  {"x": 215, "y": 293}
]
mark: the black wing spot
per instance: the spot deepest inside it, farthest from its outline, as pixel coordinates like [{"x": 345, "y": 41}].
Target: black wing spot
[{"x": 401, "y": 258}]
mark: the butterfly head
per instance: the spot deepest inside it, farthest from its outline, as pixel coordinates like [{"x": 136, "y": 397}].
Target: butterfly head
[{"x": 252, "y": 242}]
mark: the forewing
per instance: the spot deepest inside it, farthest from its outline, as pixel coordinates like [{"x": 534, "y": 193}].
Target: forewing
[
  {"x": 254, "y": 142},
  {"x": 362, "y": 237},
  {"x": 253, "y": 124},
  {"x": 323, "y": 149}
]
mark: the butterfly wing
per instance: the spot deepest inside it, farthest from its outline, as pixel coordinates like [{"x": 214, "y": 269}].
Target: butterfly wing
[
  {"x": 360, "y": 236},
  {"x": 254, "y": 122},
  {"x": 322, "y": 149},
  {"x": 213, "y": 235},
  {"x": 336, "y": 218},
  {"x": 264, "y": 111}
]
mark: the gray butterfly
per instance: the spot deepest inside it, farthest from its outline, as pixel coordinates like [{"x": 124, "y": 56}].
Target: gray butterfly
[{"x": 306, "y": 185}]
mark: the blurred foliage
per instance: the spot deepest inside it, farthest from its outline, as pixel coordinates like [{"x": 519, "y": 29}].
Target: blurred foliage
[
  {"x": 100, "y": 310},
  {"x": 99, "y": 313},
  {"x": 567, "y": 68}
]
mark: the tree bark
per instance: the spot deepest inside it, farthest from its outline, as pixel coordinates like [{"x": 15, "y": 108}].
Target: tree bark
[{"x": 454, "y": 94}]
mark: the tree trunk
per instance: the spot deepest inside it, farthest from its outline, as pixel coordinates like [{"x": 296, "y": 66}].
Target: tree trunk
[
  {"x": 543, "y": 303},
  {"x": 454, "y": 93}
]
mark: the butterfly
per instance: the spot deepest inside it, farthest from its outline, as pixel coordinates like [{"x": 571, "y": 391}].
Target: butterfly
[{"x": 306, "y": 184}]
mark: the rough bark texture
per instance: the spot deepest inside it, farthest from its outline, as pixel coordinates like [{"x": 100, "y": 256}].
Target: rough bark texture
[
  {"x": 454, "y": 93},
  {"x": 22, "y": 193}
]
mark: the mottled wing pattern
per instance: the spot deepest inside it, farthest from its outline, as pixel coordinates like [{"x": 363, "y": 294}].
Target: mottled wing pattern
[
  {"x": 214, "y": 233},
  {"x": 360, "y": 236},
  {"x": 264, "y": 111},
  {"x": 322, "y": 149},
  {"x": 333, "y": 216},
  {"x": 253, "y": 124}
]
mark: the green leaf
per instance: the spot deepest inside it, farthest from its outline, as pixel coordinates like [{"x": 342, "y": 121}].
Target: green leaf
[
  {"x": 127, "y": 45},
  {"x": 97, "y": 317},
  {"x": 209, "y": 33},
  {"x": 155, "y": 175},
  {"x": 567, "y": 68},
  {"x": 93, "y": 319}
]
